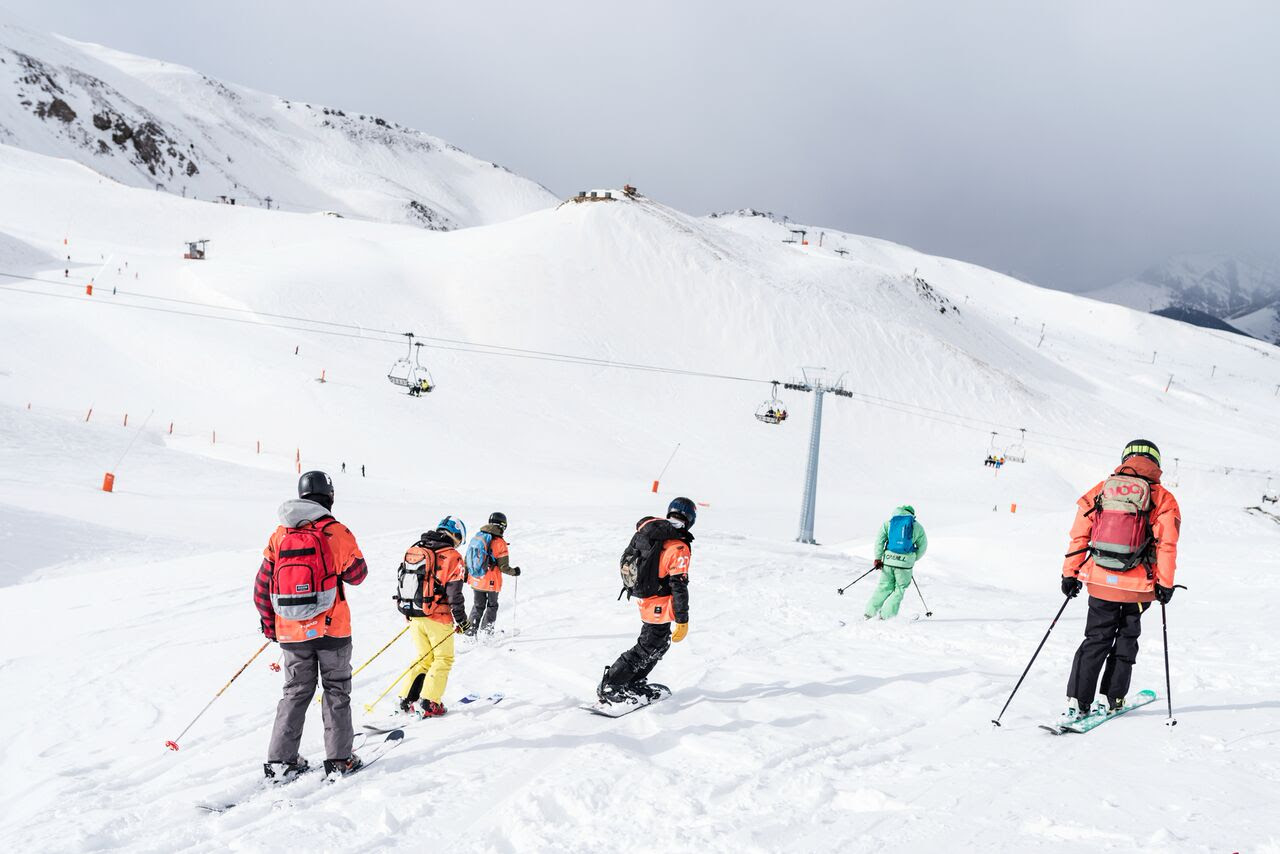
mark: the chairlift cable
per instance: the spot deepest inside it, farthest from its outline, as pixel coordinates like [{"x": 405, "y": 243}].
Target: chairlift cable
[{"x": 382, "y": 336}]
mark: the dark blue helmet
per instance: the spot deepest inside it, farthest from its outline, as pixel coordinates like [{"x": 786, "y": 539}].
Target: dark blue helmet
[{"x": 683, "y": 509}]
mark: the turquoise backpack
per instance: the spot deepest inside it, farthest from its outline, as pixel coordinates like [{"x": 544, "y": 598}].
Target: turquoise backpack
[
  {"x": 902, "y": 532},
  {"x": 479, "y": 555}
]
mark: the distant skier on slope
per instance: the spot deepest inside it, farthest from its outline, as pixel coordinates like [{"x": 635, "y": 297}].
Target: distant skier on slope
[
  {"x": 1127, "y": 529},
  {"x": 301, "y": 599},
  {"x": 430, "y": 596},
  {"x": 901, "y": 543},
  {"x": 655, "y": 569},
  {"x": 488, "y": 559}
]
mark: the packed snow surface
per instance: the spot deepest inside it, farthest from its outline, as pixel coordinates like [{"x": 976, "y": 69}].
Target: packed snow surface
[{"x": 794, "y": 724}]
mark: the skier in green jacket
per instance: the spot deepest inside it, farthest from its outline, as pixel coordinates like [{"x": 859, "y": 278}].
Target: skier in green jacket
[{"x": 901, "y": 543}]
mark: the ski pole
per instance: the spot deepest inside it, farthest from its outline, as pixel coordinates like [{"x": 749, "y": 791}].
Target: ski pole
[
  {"x": 275, "y": 665},
  {"x": 927, "y": 612},
  {"x": 1065, "y": 601},
  {"x": 1168, "y": 683},
  {"x": 173, "y": 745},
  {"x": 841, "y": 590},
  {"x": 368, "y": 707},
  {"x": 515, "y": 603},
  {"x": 371, "y": 658}
]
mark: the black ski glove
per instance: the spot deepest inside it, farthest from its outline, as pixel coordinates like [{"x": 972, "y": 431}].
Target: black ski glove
[
  {"x": 877, "y": 564},
  {"x": 1071, "y": 586},
  {"x": 515, "y": 570},
  {"x": 464, "y": 627},
  {"x": 1163, "y": 594}
]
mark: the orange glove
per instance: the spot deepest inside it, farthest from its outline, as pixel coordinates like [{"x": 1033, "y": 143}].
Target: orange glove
[{"x": 682, "y": 629}]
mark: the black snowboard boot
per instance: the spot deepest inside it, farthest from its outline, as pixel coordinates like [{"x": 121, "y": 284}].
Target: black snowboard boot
[{"x": 609, "y": 692}]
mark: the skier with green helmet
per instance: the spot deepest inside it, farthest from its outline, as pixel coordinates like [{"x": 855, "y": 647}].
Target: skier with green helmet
[{"x": 901, "y": 543}]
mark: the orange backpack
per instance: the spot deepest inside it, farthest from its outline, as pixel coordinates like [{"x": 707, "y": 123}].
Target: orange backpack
[{"x": 417, "y": 586}]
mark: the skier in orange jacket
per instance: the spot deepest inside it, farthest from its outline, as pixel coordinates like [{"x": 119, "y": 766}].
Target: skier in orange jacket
[
  {"x": 442, "y": 614},
  {"x": 1126, "y": 528},
  {"x": 659, "y": 554},
  {"x": 319, "y": 556},
  {"x": 488, "y": 559}
]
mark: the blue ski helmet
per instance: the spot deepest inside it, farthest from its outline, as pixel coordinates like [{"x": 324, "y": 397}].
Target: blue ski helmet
[
  {"x": 683, "y": 509},
  {"x": 454, "y": 527}
]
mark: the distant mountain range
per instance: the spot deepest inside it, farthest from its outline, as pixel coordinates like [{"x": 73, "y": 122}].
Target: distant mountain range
[
  {"x": 153, "y": 124},
  {"x": 1215, "y": 290}
]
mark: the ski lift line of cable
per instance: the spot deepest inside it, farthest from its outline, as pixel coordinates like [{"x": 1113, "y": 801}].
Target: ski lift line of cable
[
  {"x": 492, "y": 350},
  {"x": 141, "y": 295},
  {"x": 500, "y": 349},
  {"x": 915, "y": 410}
]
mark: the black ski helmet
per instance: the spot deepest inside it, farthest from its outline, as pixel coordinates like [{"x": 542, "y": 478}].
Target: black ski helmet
[
  {"x": 496, "y": 518},
  {"x": 318, "y": 487},
  {"x": 683, "y": 509},
  {"x": 1141, "y": 448}
]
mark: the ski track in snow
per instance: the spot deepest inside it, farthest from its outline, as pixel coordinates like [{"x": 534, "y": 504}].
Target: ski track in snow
[{"x": 787, "y": 730}]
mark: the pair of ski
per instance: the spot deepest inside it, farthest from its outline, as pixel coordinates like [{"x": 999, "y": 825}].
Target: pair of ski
[
  {"x": 390, "y": 741},
  {"x": 1097, "y": 719},
  {"x": 398, "y": 720}
]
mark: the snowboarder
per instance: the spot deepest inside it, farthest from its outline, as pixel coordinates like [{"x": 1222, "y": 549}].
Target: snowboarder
[
  {"x": 1127, "y": 530},
  {"x": 487, "y": 561},
  {"x": 655, "y": 568},
  {"x": 430, "y": 597},
  {"x": 901, "y": 543},
  {"x": 344, "y": 468},
  {"x": 301, "y": 599}
]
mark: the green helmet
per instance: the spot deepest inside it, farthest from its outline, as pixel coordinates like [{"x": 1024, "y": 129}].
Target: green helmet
[{"x": 1141, "y": 448}]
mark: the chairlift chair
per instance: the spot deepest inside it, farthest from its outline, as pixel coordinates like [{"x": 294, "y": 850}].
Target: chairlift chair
[
  {"x": 420, "y": 381},
  {"x": 1017, "y": 452},
  {"x": 773, "y": 410},
  {"x": 996, "y": 457},
  {"x": 402, "y": 370}
]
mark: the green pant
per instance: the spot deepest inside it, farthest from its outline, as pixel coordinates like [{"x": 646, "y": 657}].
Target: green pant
[{"x": 894, "y": 581}]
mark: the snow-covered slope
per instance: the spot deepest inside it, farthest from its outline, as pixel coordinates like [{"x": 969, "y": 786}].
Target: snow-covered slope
[
  {"x": 1224, "y": 286},
  {"x": 162, "y": 126},
  {"x": 794, "y": 724},
  {"x": 1263, "y": 323}
]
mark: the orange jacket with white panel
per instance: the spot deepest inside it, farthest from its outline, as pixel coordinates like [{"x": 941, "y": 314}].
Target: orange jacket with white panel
[{"x": 1137, "y": 584}]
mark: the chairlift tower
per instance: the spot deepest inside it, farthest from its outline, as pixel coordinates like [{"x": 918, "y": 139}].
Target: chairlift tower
[{"x": 815, "y": 386}]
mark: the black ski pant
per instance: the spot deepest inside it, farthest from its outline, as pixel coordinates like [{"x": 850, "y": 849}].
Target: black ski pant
[
  {"x": 1110, "y": 647},
  {"x": 484, "y": 606},
  {"x": 638, "y": 662}
]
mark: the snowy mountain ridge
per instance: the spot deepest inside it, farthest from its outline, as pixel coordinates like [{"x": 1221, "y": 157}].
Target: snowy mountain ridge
[
  {"x": 1242, "y": 291},
  {"x": 157, "y": 125}
]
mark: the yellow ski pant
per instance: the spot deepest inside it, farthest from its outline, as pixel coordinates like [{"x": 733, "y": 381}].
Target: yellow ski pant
[{"x": 433, "y": 670}]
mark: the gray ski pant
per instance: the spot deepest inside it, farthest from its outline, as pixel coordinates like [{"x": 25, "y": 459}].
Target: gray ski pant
[
  {"x": 302, "y": 664},
  {"x": 484, "y": 608}
]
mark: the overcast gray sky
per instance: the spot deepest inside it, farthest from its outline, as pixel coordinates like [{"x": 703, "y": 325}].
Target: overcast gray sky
[{"x": 1070, "y": 143}]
